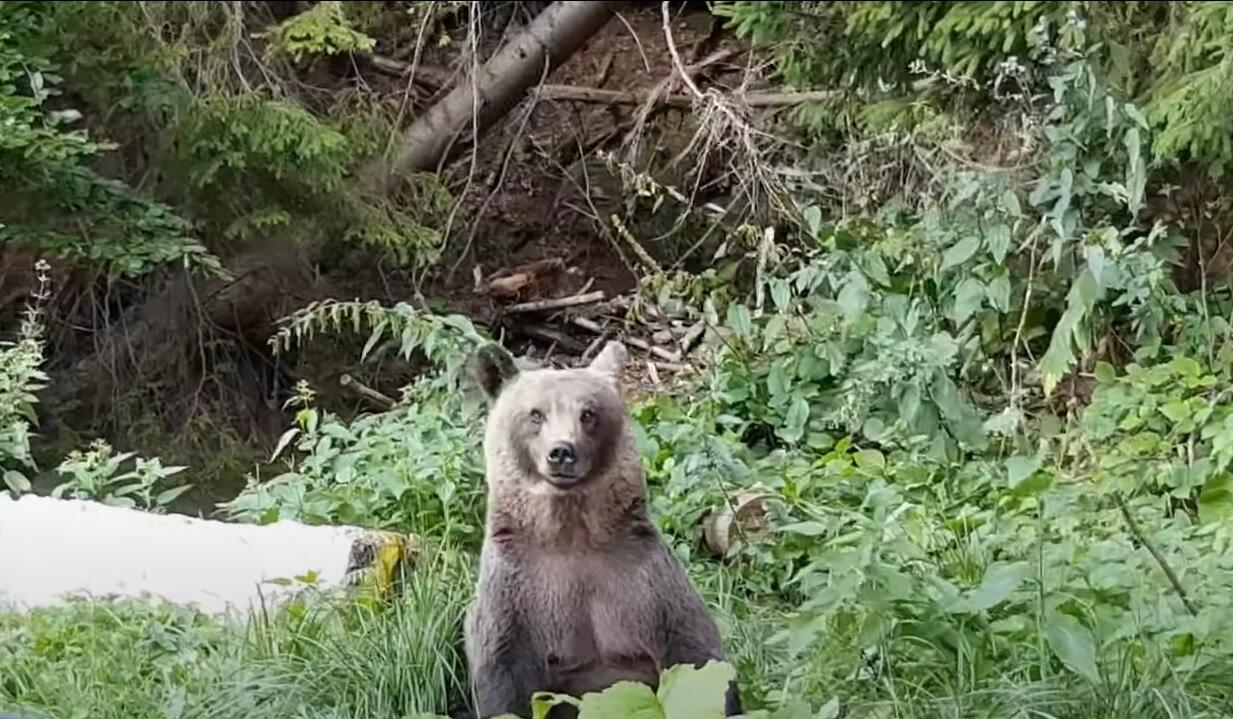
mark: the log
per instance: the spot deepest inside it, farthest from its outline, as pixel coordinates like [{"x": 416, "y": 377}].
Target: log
[{"x": 479, "y": 101}]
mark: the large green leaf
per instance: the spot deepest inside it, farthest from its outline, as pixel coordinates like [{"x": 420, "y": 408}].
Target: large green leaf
[
  {"x": 689, "y": 693},
  {"x": 1072, "y": 643},
  {"x": 999, "y": 582},
  {"x": 623, "y": 700},
  {"x": 960, "y": 252}
]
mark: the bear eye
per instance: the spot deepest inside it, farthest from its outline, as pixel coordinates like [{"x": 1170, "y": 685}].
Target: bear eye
[
  {"x": 537, "y": 417},
  {"x": 588, "y": 416}
]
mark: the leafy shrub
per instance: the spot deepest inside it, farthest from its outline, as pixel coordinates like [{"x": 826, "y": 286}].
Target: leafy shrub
[
  {"x": 416, "y": 468},
  {"x": 53, "y": 201},
  {"x": 321, "y": 30}
]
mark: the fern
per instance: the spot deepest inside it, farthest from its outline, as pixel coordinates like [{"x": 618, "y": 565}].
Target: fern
[{"x": 446, "y": 341}]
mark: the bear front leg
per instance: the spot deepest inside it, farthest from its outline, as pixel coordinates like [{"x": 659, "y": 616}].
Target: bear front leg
[
  {"x": 504, "y": 672},
  {"x": 691, "y": 636}
]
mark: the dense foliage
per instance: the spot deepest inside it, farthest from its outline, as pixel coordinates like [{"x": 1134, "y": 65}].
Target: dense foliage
[{"x": 984, "y": 413}]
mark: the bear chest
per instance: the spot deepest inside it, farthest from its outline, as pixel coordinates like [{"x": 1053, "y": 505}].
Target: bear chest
[{"x": 598, "y": 618}]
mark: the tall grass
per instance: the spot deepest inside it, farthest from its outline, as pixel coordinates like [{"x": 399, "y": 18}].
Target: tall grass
[{"x": 314, "y": 659}]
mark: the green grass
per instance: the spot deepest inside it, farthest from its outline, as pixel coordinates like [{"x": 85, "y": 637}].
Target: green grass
[
  {"x": 311, "y": 659},
  {"x": 368, "y": 660}
]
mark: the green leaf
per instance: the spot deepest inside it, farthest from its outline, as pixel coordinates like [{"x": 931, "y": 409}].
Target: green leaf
[
  {"x": 813, "y": 220},
  {"x": 1105, "y": 373},
  {"x": 997, "y": 240},
  {"x": 168, "y": 496},
  {"x": 969, "y": 296},
  {"x": 781, "y": 294},
  {"x": 1187, "y": 367},
  {"x": 829, "y": 710},
  {"x": 870, "y": 459},
  {"x": 1010, "y": 201},
  {"x": 1072, "y": 643},
  {"x": 740, "y": 321},
  {"x": 853, "y": 298},
  {"x": 808, "y": 529},
  {"x": 1216, "y": 500},
  {"x": 873, "y": 266},
  {"x": 623, "y": 699},
  {"x": 795, "y": 421},
  {"x": 543, "y": 702},
  {"x": 960, "y": 252},
  {"x": 1177, "y": 410},
  {"x": 999, "y": 582},
  {"x": 1019, "y": 468},
  {"x": 16, "y": 482},
  {"x": 998, "y": 292},
  {"x": 689, "y": 693}
]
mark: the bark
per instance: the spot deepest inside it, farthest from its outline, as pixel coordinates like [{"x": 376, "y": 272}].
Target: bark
[{"x": 501, "y": 83}]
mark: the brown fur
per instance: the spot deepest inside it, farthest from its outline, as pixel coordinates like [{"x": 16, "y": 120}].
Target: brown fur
[{"x": 577, "y": 589}]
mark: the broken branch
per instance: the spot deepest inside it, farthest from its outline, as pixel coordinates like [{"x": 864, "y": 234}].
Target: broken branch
[{"x": 368, "y": 393}]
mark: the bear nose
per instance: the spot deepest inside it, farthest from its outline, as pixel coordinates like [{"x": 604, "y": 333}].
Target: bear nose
[{"x": 562, "y": 454}]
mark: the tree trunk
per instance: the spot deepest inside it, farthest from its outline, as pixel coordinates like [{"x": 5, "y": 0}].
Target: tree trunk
[{"x": 501, "y": 83}]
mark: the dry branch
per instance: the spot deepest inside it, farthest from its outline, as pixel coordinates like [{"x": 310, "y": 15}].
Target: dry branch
[
  {"x": 368, "y": 393},
  {"x": 621, "y": 97},
  {"x": 557, "y": 303},
  {"x": 433, "y": 78},
  {"x": 477, "y": 102},
  {"x": 591, "y": 325}
]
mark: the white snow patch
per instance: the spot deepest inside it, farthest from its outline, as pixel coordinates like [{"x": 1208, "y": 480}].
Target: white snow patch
[{"x": 54, "y": 549}]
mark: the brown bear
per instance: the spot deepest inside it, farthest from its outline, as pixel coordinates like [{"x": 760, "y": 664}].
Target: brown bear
[{"x": 577, "y": 589}]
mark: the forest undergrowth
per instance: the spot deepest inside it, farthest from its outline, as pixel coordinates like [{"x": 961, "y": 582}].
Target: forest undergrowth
[{"x": 956, "y": 441}]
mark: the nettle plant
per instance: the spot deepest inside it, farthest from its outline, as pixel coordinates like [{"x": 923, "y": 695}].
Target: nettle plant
[
  {"x": 21, "y": 377},
  {"x": 98, "y": 473}
]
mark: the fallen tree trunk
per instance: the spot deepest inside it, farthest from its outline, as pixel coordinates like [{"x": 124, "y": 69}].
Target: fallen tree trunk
[{"x": 480, "y": 100}]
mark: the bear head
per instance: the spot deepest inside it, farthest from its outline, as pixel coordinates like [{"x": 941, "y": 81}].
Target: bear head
[{"x": 553, "y": 430}]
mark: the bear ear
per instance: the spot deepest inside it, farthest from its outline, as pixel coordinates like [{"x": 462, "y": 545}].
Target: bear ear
[
  {"x": 494, "y": 368},
  {"x": 610, "y": 362}
]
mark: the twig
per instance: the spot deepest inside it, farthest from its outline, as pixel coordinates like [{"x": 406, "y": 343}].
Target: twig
[
  {"x": 591, "y": 325},
  {"x": 596, "y": 343},
  {"x": 691, "y": 337},
  {"x": 557, "y": 303},
  {"x": 670, "y": 366},
  {"x": 368, "y": 393},
  {"x": 654, "y": 374},
  {"x": 639, "y": 251},
  {"x": 1164, "y": 564}
]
